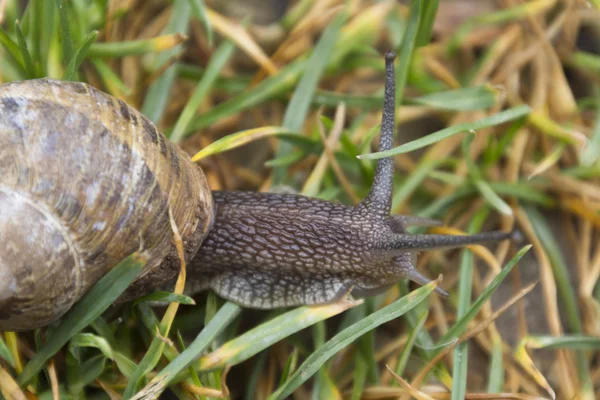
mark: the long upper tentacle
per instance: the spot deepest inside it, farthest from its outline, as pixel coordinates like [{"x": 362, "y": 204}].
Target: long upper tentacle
[
  {"x": 379, "y": 199},
  {"x": 408, "y": 242}
]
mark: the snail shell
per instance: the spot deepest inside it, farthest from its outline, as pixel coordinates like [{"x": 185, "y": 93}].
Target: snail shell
[{"x": 85, "y": 180}]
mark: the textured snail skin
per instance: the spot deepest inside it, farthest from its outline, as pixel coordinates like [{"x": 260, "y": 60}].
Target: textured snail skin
[
  {"x": 85, "y": 180},
  {"x": 272, "y": 250}
]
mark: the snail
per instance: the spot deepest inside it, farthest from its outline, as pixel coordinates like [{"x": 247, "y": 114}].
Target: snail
[{"x": 86, "y": 180}]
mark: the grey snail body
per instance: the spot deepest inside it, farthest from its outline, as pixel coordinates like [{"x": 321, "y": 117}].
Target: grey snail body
[{"x": 85, "y": 180}]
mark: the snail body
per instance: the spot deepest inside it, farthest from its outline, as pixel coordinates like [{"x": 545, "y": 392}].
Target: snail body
[{"x": 85, "y": 180}]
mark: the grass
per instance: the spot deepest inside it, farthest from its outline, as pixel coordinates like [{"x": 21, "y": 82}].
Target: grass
[{"x": 496, "y": 132}]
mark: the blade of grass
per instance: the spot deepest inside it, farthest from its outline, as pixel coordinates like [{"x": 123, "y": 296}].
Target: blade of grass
[
  {"x": 65, "y": 31},
  {"x": 493, "y": 120},
  {"x": 359, "y": 377},
  {"x": 465, "y": 284},
  {"x": 460, "y": 326},
  {"x": 11, "y": 47},
  {"x": 223, "y": 318},
  {"x": 409, "y": 42},
  {"x": 73, "y": 66},
  {"x": 217, "y": 61},
  {"x": 158, "y": 345},
  {"x": 87, "y": 310},
  {"x": 9, "y": 389},
  {"x": 239, "y": 139},
  {"x": 566, "y": 292},
  {"x": 250, "y": 343},
  {"x": 25, "y": 55},
  {"x": 314, "y": 362},
  {"x": 91, "y": 340},
  {"x": 5, "y": 354},
  {"x": 134, "y": 47},
  {"x": 496, "y": 379},
  {"x": 591, "y": 153},
  {"x": 410, "y": 342},
  {"x": 166, "y": 297},
  {"x": 426, "y": 26},
  {"x": 251, "y": 97},
  {"x": 199, "y": 10},
  {"x": 492, "y": 198},
  {"x": 573, "y": 342},
  {"x": 158, "y": 93},
  {"x": 114, "y": 84},
  {"x": 462, "y": 99},
  {"x": 299, "y": 104}
]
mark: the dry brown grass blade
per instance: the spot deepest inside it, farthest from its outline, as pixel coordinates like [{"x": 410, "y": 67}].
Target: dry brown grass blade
[
  {"x": 420, "y": 377},
  {"x": 583, "y": 208},
  {"x": 238, "y": 34},
  {"x": 336, "y": 131},
  {"x": 9, "y": 388},
  {"x": 222, "y": 393},
  {"x": 384, "y": 392},
  {"x": 566, "y": 369},
  {"x": 110, "y": 392},
  {"x": 53, "y": 380},
  {"x": 417, "y": 394}
]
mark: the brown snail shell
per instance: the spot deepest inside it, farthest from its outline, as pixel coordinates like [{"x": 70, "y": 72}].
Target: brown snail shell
[{"x": 85, "y": 180}]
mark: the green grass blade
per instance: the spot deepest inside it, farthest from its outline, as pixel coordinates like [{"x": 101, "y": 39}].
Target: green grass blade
[
  {"x": 299, "y": 104},
  {"x": 359, "y": 376},
  {"x": 414, "y": 180},
  {"x": 158, "y": 94},
  {"x": 463, "y": 99},
  {"x": 217, "y": 61},
  {"x": 199, "y": 10},
  {"x": 407, "y": 48},
  {"x": 136, "y": 47},
  {"x": 5, "y": 353},
  {"x": 252, "y": 97},
  {"x": 73, "y": 66},
  {"x": 314, "y": 362},
  {"x": 410, "y": 342},
  {"x": 86, "y": 311},
  {"x": 566, "y": 292},
  {"x": 492, "y": 198},
  {"x": 591, "y": 153},
  {"x": 166, "y": 297},
  {"x": 460, "y": 325},
  {"x": 427, "y": 20},
  {"x": 465, "y": 285},
  {"x": 572, "y": 342},
  {"x": 47, "y": 34},
  {"x": 222, "y": 319},
  {"x": 239, "y": 139},
  {"x": 65, "y": 31},
  {"x": 114, "y": 84},
  {"x": 496, "y": 380},
  {"x": 493, "y": 120},
  {"x": 11, "y": 47},
  {"x": 91, "y": 340},
  {"x": 25, "y": 54},
  {"x": 250, "y": 343}
]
